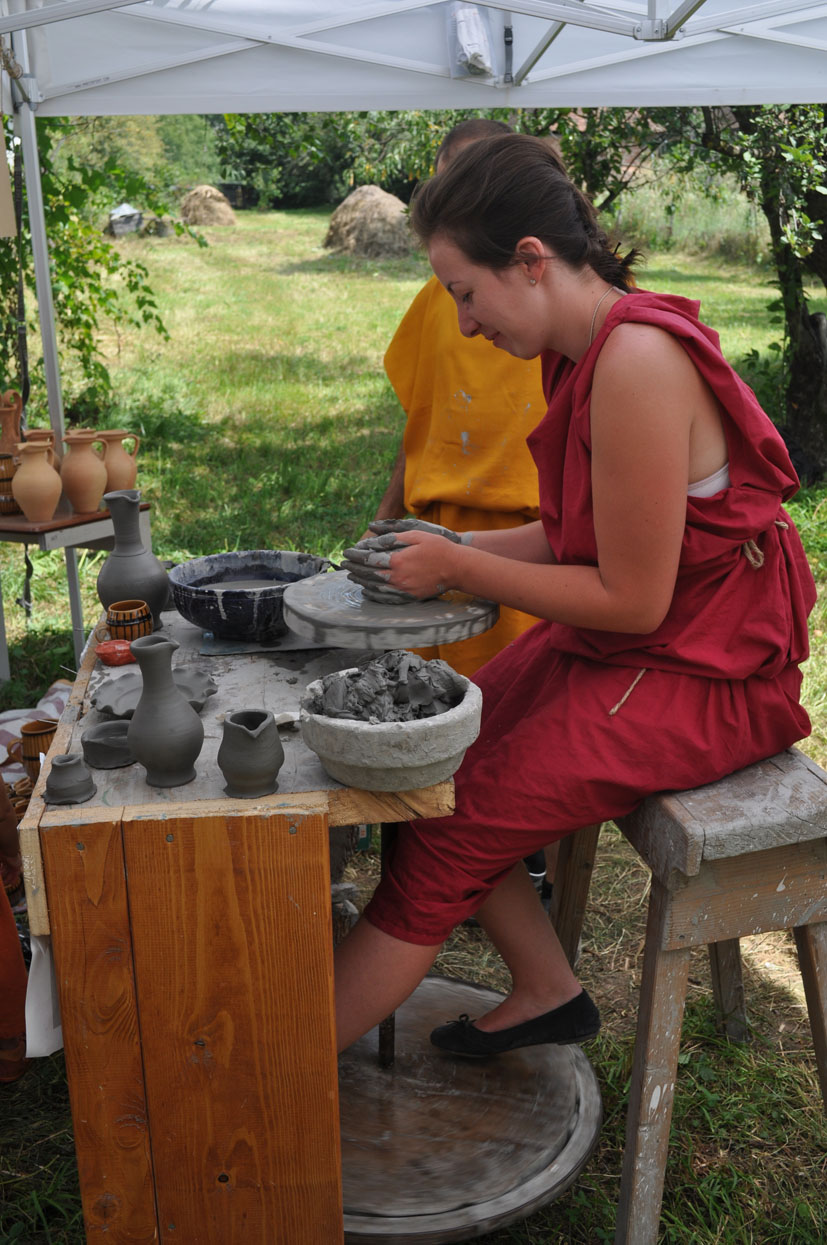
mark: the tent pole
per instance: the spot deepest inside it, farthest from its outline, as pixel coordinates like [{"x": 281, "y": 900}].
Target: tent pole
[{"x": 25, "y": 128}]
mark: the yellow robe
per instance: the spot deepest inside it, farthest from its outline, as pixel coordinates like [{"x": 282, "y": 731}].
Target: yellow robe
[{"x": 469, "y": 410}]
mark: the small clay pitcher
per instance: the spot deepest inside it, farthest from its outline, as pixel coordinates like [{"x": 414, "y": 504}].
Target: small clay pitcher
[
  {"x": 126, "y": 620},
  {"x": 47, "y": 436},
  {"x": 121, "y": 467},
  {"x": 35, "y": 740},
  {"x": 165, "y": 733},
  {"x": 36, "y": 485},
  {"x": 8, "y": 466},
  {"x": 250, "y": 754},
  {"x": 131, "y": 570},
  {"x": 83, "y": 472},
  {"x": 11, "y": 413}
]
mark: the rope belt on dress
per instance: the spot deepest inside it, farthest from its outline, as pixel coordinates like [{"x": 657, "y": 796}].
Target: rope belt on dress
[{"x": 751, "y": 551}]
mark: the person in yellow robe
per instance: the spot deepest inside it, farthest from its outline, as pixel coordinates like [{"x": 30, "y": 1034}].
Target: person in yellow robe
[
  {"x": 469, "y": 407},
  {"x": 464, "y": 462}
]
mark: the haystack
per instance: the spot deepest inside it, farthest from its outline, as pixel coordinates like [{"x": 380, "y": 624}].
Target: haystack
[
  {"x": 204, "y": 205},
  {"x": 372, "y": 223}
]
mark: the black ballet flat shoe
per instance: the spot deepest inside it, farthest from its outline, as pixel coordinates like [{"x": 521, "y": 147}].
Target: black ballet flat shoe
[{"x": 573, "y": 1022}]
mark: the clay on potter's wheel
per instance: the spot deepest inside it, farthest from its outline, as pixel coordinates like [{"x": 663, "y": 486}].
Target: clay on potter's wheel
[
  {"x": 331, "y": 610},
  {"x": 118, "y": 696}
]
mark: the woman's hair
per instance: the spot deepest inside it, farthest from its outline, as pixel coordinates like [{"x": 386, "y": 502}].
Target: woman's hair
[{"x": 509, "y": 187}]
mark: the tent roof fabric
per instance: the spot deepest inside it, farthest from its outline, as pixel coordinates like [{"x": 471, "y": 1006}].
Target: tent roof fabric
[{"x": 205, "y": 56}]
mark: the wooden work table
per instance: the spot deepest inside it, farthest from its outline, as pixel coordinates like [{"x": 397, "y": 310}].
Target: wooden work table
[{"x": 193, "y": 950}]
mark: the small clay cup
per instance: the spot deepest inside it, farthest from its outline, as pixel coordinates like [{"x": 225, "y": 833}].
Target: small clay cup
[
  {"x": 250, "y": 754},
  {"x": 126, "y": 620},
  {"x": 69, "y": 781},
  {"x": 35, "y": 738}
]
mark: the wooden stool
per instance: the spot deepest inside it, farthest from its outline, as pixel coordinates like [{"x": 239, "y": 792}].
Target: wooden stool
[{"x": 740, "y": 856}]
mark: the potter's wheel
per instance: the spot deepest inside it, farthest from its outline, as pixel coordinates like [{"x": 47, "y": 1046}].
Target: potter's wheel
[{"x": 330, "y": 610}]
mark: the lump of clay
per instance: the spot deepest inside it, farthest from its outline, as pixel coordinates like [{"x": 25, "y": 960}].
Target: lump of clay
[{"x": 397, "y": 687}]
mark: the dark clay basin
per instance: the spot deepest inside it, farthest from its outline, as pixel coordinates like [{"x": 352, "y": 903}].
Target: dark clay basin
[{"x": 238, "y": 596}]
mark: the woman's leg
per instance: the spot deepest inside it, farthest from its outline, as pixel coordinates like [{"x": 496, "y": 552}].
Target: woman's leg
[
  {"x": 374, "y": 974},
  {"x": 541, "y": 976}
]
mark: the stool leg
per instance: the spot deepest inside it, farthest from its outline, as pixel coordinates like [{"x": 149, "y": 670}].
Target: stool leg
[
  {"x": 728, "y": 989},
  {"x": 387, "y": 1027},
  {"x": 571, "y": 886},
  {"x": 811, "y": 943},
  {"x": 654, "y": 1072}
]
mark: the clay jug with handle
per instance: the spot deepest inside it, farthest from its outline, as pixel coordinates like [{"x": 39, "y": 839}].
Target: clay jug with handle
[
  {"x": 84, "y": 473},
  {"x": 11, "y": 413},
  {"x": 35, "y": 485},
  {"x": 47, "y": 437},
  {"x": 121, "y": 467},
  {"x": 165, "y": 733},
  {"x": 131, "y": 570}
]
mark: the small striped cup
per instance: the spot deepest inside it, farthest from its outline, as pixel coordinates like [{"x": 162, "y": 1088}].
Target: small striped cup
[{"x": 126, "y": 620}]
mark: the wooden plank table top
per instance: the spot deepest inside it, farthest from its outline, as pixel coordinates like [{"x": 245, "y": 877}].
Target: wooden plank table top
[{"x": 268, "y": 679}]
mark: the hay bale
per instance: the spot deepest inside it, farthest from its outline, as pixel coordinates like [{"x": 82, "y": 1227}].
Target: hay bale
[
  {"x": 372, "y": 223},
  {"x": 204, "y": 205}
]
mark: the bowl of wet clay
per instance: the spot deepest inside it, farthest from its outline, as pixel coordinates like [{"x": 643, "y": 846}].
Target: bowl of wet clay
[
  {"x": 239, "y": 595},
  {"x": 415, "y": 721}
]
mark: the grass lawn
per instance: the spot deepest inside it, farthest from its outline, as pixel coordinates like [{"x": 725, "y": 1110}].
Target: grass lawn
[{"x": 268, "y": 422}]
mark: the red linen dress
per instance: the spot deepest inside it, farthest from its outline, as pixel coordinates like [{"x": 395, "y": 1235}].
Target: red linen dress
[{"x": 579, "y": 725}]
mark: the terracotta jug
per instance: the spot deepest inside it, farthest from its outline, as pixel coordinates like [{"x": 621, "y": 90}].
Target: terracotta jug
[
  {"x": 8, "y": 467},
  {"x": 11, "y": 413},
  {"x": 250, "y": 754},
  {"x": 47, "y": 437},
  {"x": 83, "y": 473},
  {"x": 121, "y": 467},
  {"x": 131, "y": 570},
  {"x": 165, "y": 733},
  {"x": 35, "y": 485}
]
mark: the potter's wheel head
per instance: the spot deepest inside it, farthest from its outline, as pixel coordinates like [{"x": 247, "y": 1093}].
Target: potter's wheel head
[{"x": 330, "y": 610}]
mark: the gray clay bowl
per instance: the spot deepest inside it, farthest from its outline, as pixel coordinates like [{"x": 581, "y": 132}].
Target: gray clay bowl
[
  {"x": 392, "y": 756},
  {"x": 105, "y": 747},
  {"x": 240, "y": 613}
]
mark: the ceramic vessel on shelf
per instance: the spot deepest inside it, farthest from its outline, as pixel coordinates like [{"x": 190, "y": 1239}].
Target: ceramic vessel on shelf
[
  {"x": 105, "y": 746},
  {"x": 83, "y": 472},
  {"x": 36, "y": 485},
  {"x": 11, "y": 413},
  {"x": 126, "y": 620},
  {"x": 165, "y": 732},
  {"x": 250, "y": 754},
  {"x": 8, "y": 466},
  {"x": 121, "y": 467},
  {"x": 47, "y": 436},
  {"x": 131, "y": 570},
  {"x": 69, "y": 780}
]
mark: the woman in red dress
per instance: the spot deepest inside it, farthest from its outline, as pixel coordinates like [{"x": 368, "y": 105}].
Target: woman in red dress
[{"x": 674, "y": 585}]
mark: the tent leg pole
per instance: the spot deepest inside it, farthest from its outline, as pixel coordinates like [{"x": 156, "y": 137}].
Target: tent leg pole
[{"x": 27, "y": 133}]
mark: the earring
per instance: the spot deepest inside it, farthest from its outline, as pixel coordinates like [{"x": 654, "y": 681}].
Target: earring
[{"x": 531, "y": 281}]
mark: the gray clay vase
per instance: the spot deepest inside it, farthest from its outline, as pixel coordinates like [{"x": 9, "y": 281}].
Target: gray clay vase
[
  {"x": 165, "y": 733},
  {"x": 131, "y": 570},
  {"x": 250, "y": 754},
  {"x": 69, "y": 780}
]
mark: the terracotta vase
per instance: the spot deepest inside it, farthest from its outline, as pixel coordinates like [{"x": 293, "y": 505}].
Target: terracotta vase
[
  {"x": 83, "y": 472},
  {"x": 250, "y": 754},
  {"x": 8, "y": 466},
  {"x": 121, "y": 467},
  {"x": 11, "y": 413},
  {"x": 165, "y": 733},
  {"x": 36, "y": 485},
  {"x": 47, "y": 436},
  {"x": 131, "y": 570}
]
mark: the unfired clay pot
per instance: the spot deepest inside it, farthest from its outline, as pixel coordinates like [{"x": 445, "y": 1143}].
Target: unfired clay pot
[
  {"x": 121, "y": 467},
  {"x": 11, "y": 413},
  {"x": 35, "y": 485},
  {"x": 131, "y": 570},
  {"x": 250, "y": 754},
  {"x": 165, "y": 733},
  {"x": 83, "y": 471}
]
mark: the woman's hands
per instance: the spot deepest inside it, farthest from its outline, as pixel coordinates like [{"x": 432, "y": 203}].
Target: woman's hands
[{"x": 407, "y": 564}]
